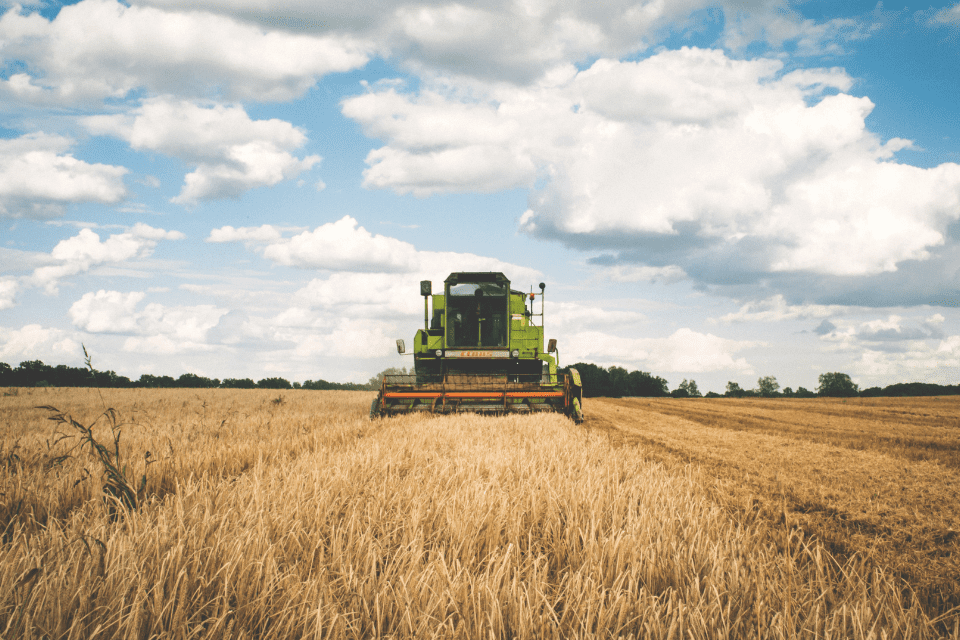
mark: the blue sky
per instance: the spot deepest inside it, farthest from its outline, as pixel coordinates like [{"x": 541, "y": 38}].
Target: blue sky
[{"x": 714, "y": 191}]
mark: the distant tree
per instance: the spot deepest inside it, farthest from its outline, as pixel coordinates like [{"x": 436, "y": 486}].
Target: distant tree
[
  {"x": 110, "y": 380},
  {"x": 643, "y": 384},
  {"x": 920, "y": 389},
  {"x": 618, "y": 383},
  {"x": 767, "y": 386},
  {"x": 836, "y": 385},
  {"x": 787, "y": 392},
  {"x": 712, "y": 394},
  {"x": 30, "y": 372},
  {"x": 734, "y": 390},
  {"x": 274, "y": 383},
  {"x": 872, "y": 392},
  {"x": 802, "y": 392},
  {"x": 64, "y": 376},
  {"x": 323, "y": 385},
  {"x": 687, "y": 389},
  {"x": 155, "y": 382},
  {"x": 238, "y": 383},
  {"x": 6, "y": 375},
  {"x": 193, "y": 381},
  {"x": 596, "y": 380}
]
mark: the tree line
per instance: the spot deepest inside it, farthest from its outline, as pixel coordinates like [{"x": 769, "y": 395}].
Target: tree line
[
  {"x": 611, "y": 382},
  {"x": 34, "y": 373},
  {"x": 617, "y": 382}
]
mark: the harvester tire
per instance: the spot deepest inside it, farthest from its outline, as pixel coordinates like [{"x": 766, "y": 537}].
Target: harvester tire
[
  {"x": 577, "y": 413},
  {"x": 375, "y": 408}
]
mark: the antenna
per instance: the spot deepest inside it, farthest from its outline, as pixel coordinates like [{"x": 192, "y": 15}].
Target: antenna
[{"x": 542, "y": 288}]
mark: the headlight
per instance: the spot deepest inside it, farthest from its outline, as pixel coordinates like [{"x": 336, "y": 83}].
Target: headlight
[
  {"x": 515, "y": 353},
  {"x": 439, "y": 353}
]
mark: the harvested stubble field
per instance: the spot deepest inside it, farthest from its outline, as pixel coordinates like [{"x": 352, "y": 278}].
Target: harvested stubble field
[{"x": 289, "y": 514}]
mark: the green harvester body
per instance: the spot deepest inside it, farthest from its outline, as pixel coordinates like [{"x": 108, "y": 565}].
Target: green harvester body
[{"x": 481, "y": 350}]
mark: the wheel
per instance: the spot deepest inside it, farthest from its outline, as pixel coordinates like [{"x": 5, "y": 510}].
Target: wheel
[
  {"x": 577, "y": 412},
  {"x": 375, "y": 408}
]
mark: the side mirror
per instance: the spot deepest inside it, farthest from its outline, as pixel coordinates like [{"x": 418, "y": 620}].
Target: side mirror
[
  {"x": 401, "y": 347},
  {"x": 552, "y": 345}
]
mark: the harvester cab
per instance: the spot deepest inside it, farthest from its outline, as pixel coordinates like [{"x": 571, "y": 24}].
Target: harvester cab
[{"x": 481, "y": 350}]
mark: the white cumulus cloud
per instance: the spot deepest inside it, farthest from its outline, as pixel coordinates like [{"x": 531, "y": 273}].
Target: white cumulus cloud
[
  {"x": 85, "y": 250},
  {"x": 572, "y": 317},
  {"x": 364, "y": 294},
  {"x": 97, "y": 49},
  {"x": 344, "y": 338},
  {"x": 685, "y": 350},
  {"x": 39, "y": 177},
  {"x": 920, "y": 361},
  {"x": 343, "y": 246},
  {"x": 439, "y": 145},
  {"x": 519, "y": 41},
  {"x": 8, "y": 292},
  {"x": 106, "y": 312},
  {"x": 264, "y": 233},
  {"x": 34, "y": 342},
  {"x": 398, "y": 294},
  {"x": 369, "y": 297},
  {"x": 722, "y": 159},
  {"x": 232, "y": 152},
  {"x": 155, "y": 328}
]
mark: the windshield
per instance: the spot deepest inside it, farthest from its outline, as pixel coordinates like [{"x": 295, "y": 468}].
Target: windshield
[{"x": 477, "y": 315}]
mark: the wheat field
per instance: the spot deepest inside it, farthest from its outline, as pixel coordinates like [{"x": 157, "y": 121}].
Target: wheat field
[
  {"x": 877, "y": 477},
  {"x": 265, "y": 514}
]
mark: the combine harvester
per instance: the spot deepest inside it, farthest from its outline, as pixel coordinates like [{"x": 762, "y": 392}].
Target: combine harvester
[{"x": 482, "y": 351}]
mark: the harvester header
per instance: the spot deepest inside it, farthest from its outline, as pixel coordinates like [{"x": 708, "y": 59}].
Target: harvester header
[{"x": 481, "y": 350}]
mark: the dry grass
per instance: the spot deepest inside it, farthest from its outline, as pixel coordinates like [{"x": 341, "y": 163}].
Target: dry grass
[
  {"x": 300, "y": 518},
  {"x": 212, "y": 434},
  {"x": 867, "y": 482}
]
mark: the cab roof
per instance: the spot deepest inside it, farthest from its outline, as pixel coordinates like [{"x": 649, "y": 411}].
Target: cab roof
[{"x": 477, "y": 277}]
